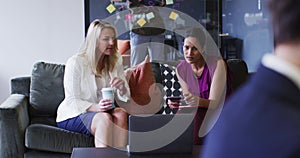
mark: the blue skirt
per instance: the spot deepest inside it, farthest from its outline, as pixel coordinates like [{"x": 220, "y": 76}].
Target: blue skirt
[{"x": 80, "y": 124}]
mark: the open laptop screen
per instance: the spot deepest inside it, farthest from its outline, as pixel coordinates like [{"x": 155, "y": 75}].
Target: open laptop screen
[{"x": 160, "y": 133}]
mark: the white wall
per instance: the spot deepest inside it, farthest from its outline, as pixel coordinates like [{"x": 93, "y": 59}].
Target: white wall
[{"x": 37, "y": 30}]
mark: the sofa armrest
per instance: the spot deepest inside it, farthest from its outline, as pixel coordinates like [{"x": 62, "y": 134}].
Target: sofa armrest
[
  {"x": 13, "y": 121},
  {"x": 20, "y": 85}
]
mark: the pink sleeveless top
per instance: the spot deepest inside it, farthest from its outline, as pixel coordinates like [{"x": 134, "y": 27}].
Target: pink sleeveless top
[{"x": 199, "y": 86}]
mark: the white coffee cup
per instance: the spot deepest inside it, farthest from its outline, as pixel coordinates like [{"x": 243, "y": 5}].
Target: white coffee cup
[{"x": 108, "y": 93}]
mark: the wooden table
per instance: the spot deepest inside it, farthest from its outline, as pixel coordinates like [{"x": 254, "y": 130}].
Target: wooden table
[{"x": 115, "y": 153}]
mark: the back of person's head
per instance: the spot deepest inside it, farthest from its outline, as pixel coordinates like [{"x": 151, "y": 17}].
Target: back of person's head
[
  {"x": 197, "y": 33},
  {"x": 286, "y": 20}
]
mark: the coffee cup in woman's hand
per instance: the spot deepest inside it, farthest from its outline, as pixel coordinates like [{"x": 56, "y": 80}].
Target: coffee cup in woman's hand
[{"x": 108, "y": 93}]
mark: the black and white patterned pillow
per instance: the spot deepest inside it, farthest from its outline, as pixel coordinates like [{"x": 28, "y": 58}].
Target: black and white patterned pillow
[{"x": 171, "y": 86}]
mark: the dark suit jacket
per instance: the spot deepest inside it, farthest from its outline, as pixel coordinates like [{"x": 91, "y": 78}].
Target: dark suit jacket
[{"x": 262, "y": 119}]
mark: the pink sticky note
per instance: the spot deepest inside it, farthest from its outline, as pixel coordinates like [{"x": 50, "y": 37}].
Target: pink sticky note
[{"x": 129, "y": 17}]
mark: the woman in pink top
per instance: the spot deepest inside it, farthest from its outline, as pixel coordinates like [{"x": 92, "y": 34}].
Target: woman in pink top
[{"x": 203, "y": 79}]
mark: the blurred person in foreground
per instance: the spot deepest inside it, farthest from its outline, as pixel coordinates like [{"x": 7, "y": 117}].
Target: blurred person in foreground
[{"x": 262, "y": 119}]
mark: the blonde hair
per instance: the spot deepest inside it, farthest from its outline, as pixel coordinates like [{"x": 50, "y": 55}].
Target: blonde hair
[{"x": 91, "y": 52}]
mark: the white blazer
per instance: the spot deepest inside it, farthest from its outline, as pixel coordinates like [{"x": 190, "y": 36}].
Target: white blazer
[{"x": 81, "y": 88}]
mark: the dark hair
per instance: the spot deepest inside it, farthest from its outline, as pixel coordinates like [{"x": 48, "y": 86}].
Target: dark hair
[
  {"x": 285, "y": 20},
  {"x": 197, "y": 33}
]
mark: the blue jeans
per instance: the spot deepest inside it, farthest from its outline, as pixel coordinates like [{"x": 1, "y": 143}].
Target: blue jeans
[{"x": 143, "y": 45}]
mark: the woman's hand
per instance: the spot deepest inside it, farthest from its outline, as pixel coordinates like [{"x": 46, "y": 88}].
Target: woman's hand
[
  {"x": 104, "y": 105},
  {"x": 173, "y": 104},
  {"x": 119, "y": 84},
  {"x": 191, "y": 99}
]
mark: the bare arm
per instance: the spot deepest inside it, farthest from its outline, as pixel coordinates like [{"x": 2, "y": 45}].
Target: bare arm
[
  {"x": 218, "y": 87},
  {"x": 217, "y": 91}
]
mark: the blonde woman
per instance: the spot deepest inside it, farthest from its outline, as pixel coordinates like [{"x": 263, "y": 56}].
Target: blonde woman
[{"x": 98, "y": 65}]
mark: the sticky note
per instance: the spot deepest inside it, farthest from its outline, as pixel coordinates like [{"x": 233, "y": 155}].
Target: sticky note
[
  {"x": 173, "y": 16},
  {"x": 142, "y": 22},
  {"x": 150, "y": 15},
  {"x": 129, "y": 17},
  {"x": 110, "y": 8},
  {"x": 169, "y": 2}
]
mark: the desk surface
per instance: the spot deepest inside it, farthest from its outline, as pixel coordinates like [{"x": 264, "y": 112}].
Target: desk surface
[{"x": 115, "y": 153}]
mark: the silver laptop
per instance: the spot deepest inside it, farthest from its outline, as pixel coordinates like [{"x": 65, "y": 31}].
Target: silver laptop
[{"x": 161, "y": 134}]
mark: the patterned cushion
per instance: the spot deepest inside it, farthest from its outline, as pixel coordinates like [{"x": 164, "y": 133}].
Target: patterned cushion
[{"x": 170, "y": 84}]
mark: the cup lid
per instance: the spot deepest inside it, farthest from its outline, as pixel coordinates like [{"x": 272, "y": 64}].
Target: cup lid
[{"x": 107, "y": 89}]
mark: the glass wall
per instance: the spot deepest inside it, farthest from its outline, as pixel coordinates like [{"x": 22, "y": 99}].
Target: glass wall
[
  {"x": 240, "y": 28},
  {"x": 249, "y": 22}
]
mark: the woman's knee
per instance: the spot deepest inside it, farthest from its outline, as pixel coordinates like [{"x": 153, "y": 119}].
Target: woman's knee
[
  {"x": 101, "y": 119},
  {"x": 120, "y": 114},
  {"x": 103, "y": 116}
]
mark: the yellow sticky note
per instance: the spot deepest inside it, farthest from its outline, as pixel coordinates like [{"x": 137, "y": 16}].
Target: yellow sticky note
[
  {"x": 142, "y": 22},
  {"x": 169, "y": 2},
  {"x": 173, "y": 16},
  {"x": 110, "y": 8},
  {"x": 150, "y": 15}
]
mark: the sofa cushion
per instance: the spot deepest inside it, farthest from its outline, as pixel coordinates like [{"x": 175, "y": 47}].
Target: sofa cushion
[
  {"x": 140, "y": 78},
  {"x": 239, "y": 72},
  {"x": 146, "y": 97},
  {"x": 156, "y": 72},
  {"x": 46, "y": 89},
  {"x": 43, "y": 120},
  {"x": 170, "y": 84},
  {"x": 124, "y": 46},
  {"x": 50, "y": 138}
]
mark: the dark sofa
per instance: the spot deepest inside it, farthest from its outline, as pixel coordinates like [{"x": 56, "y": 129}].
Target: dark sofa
[{"x": 27, "y": 117}]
